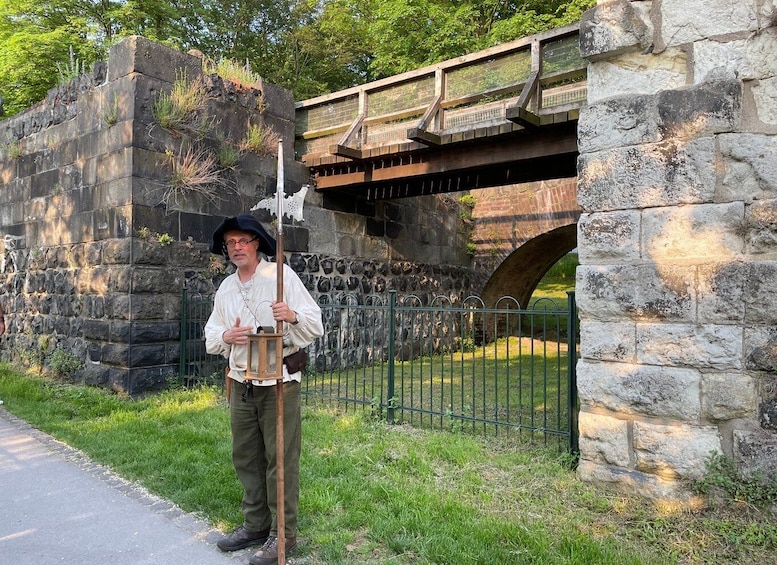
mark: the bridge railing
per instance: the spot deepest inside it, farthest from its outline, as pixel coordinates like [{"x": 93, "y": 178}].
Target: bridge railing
[{"x": 526, "y": 83}]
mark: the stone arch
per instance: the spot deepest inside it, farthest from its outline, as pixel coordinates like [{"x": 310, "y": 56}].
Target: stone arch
[{"x": 519, "y": 274}]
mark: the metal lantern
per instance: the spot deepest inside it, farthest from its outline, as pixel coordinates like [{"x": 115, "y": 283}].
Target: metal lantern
[{"x": 265, "y": 356}]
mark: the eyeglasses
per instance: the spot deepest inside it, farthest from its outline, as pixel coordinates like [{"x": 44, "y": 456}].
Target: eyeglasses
[{"x": 232, "y": 243}]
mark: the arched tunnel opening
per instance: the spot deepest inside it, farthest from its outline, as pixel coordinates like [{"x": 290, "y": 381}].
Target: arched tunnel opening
[{"x": 521, "y": 272}]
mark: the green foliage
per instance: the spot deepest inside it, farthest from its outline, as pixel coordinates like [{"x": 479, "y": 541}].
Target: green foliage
[
  {"x": 165, "y": 239},
  {"x": 12, "y": 150},
  {"x": 262, "y": 140},
  {"x": 723, "y": 476},
  {"x": 63, "y": 363},
  {"x": 73, "y": 68},
  {"x": 310, "y": 47},
  {"x": 181, "y": 111},
  {"x": 111, "y": 113}
]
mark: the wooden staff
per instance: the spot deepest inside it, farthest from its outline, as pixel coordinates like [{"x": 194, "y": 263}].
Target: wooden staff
[{"x": 279, "y": 440}]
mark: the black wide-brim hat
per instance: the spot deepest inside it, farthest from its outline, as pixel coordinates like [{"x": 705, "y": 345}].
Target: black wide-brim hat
[{"x": 246, "y": 223}]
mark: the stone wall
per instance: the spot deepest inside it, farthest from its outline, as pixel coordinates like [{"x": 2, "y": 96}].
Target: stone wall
[
  {"x": 677, "y": 241},
  {"x": 96, "y": 249}
]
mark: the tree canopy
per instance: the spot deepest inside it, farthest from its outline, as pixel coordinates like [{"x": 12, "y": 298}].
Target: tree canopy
[{"x": 308, "y": 46}]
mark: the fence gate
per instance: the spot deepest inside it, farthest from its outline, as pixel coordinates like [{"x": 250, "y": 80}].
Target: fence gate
[{"x": 457, "y": 366}]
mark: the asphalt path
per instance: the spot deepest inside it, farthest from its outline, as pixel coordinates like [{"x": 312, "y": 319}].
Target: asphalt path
[{"x": 58, "y": 507}]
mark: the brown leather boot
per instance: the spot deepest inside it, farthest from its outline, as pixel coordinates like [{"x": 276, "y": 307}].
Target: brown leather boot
[
  {"x": 268, "y": 555},
  {"x": 242, "y": 538}
]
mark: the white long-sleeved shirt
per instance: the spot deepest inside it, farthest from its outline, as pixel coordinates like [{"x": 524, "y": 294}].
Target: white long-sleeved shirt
[{"x": 251, "y": 303}]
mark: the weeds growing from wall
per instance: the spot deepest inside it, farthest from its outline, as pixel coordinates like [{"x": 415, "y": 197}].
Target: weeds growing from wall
[
  {"x": 722, "y": 477},
  {"x": 181, "y": 111},
  {"x": 194, "y": 171},
  {"x": 262, "y": 140}
]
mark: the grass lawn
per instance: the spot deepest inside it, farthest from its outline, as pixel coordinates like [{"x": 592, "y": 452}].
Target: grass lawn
[{"x": 383, "y": 494}]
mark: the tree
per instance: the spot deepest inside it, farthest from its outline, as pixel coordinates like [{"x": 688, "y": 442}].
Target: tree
[{"x": 308, "y": 46}]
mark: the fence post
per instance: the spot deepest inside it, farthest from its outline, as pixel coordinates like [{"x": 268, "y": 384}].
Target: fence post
[
  {"x": 184, "y": 336},
  {"x": 390, "y": 392},
  {"x": 572, "y": 371}
]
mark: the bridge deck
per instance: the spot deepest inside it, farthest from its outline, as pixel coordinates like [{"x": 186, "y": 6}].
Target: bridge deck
[{"x": 503, "y": 115}]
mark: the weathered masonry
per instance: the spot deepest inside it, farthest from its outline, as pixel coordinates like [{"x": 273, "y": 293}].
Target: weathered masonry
[
  {"x": 677, "y": 287},
  {"x": 98, "y": 239}
]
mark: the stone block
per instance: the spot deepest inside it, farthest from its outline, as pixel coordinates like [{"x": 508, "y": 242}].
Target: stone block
[
  {"x": 639, "y": 292},
  {"x": 115, "y": 165},
  {"x": 710, "y": 107},
  {"x": 720, "y": 292},
  {"x": 604, "y": 439},
  {"x": 761, "y": 226},
  {"x": 659, "y": 174},
  {"x": 635, "y": 74},
  {"x": 760, "y": 295},
  {"x": 618, "y": 122},
  {"x": 139, "y": 55},
  {"x": 608, "y": 341},
  {"x": 674, "y": 451},
  {"x": 145, "y": 355},
  {"x": 689, "y": 345},
  {"x": 727, "y": 396},
  {"x": 749, "y": 163},
  {"x": 695, "y": 232},
  {"x": 764, "y": 93},
  {"x": 626, "y": 389},
  {"x": 633, "y": 482},
  {"x": 682, "y": 21},
  {"x": 760, "y": 349},
  {"x": 609, "y": 237},
  {"x": 612, "y": 28},
  {"x": 756, "y": 453}
]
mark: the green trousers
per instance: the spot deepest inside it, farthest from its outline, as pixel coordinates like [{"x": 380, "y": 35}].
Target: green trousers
[{"x": 254, "y": 453}]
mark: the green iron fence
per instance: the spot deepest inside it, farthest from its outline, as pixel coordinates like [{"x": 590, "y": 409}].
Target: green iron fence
[{"x": 445, "y": 364}]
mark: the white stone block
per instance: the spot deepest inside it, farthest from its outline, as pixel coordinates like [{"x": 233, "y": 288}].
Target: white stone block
[
  {"x": 753, "y": 58},
  {"x": 765, "y": 96},
  {"x": 674, "y": 451},
  {"x": 633, "y": 482},
  {"x": 761, "y": 349},
  {"x": 761, "y": 293},
  {"x": 613, "y": 27},
  {"x": 684, "y": 345},
  {"x": 686, "y": 21},
  {"x": 617, "y": 123},
  {"x": 604, "y": 439},
  {"x": 635, "y": 74},
  {"x": 726, "y": 396},
  {"x": 658, "y": 174},
  {"x": 608, "y": 341},
  {"x": 609, "y": 236},
  {"x": 636, "y": 292},
  {"x": 749, "y": 166},
  {"x": 761, "y": 224},
  {"x": 693, "y": 232},
  {"x": 720, "y": 292},
  {"x": 628, "y": 389}
]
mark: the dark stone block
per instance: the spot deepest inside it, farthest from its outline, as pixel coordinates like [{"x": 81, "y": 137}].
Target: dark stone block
[
  {"x": 365, "y": 208},
  {"x": 313, "y": 264},
  {"x": 338, "y": 202},
  {"x": 146, "y": 355},
  {"x": 718, "y": 104},
  {"x": 139, "y": 55},
  {"x": 297, "y": 263},
  {"x": 152, "y": 332},
  {"x": 296, "y": 238},
  {"x": 324, "y": 285},
  {"x": 374, "y": 228},
  {"x": 44, "y": 184},
  {"x": 393, "y": 230},
  {"x": 116, "y": 354}
]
